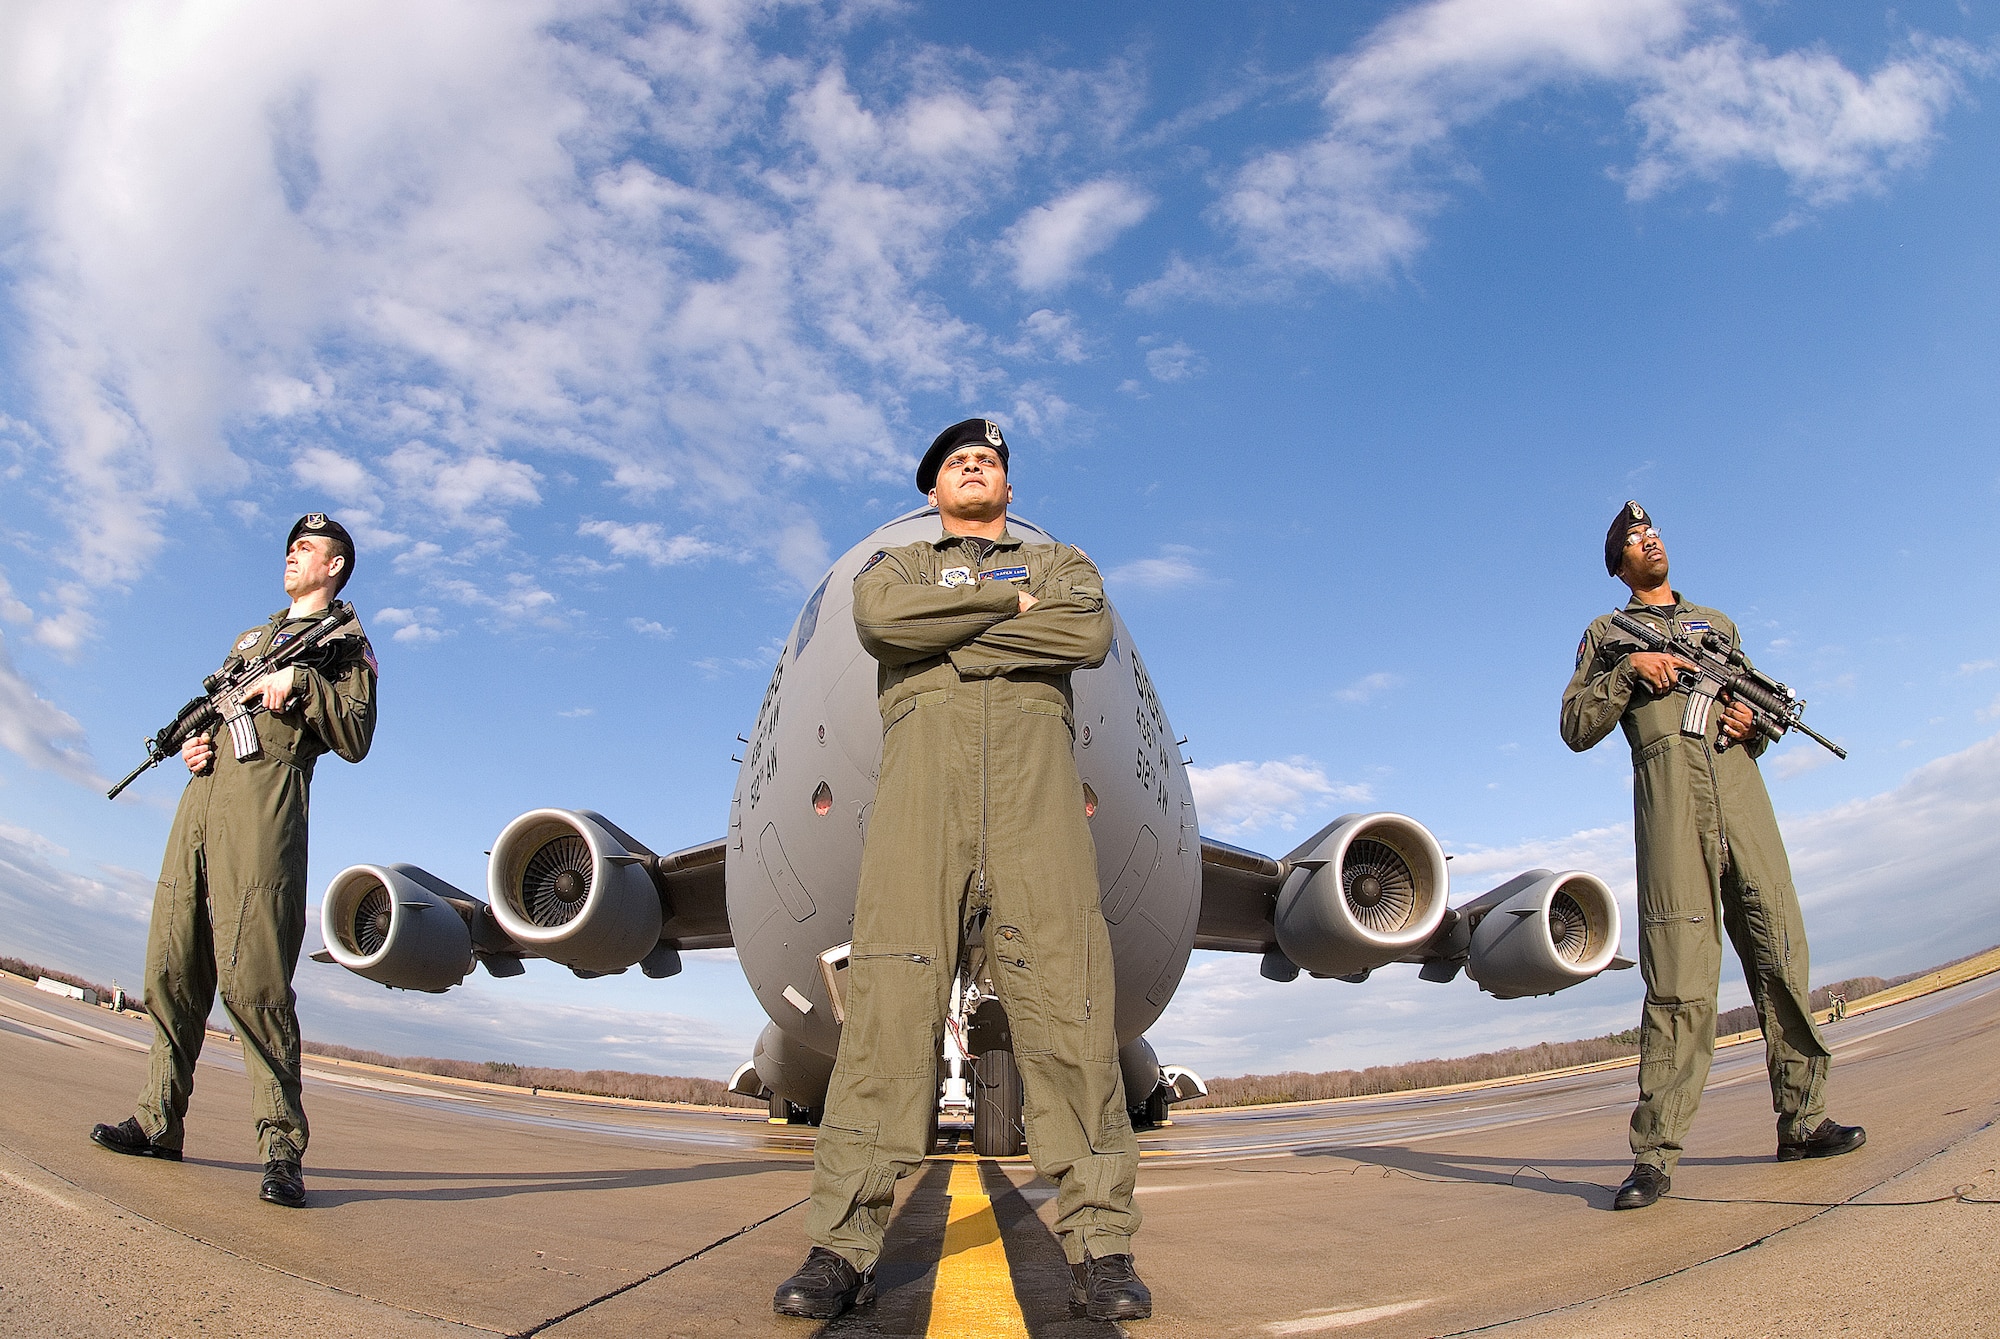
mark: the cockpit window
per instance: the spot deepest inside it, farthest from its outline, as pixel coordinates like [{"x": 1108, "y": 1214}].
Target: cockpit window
[{"x": 809, "y": 620}]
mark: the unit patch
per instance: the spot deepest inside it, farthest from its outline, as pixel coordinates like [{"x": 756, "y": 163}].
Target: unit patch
[
  {"x": 249, "y": 640},
  {"x": 1005, "y": 574},
  {"x": 956, "y": 576}
]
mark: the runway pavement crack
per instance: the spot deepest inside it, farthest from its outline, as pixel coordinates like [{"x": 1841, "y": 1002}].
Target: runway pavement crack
[
  {"x": 1820, "y": 1209},
  {"x": 247, "y": 1259},
  {"x": 624, "y": 1288}
]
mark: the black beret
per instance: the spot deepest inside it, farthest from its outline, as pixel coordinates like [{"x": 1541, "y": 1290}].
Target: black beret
[
  {"x": 957, "y": 435},
  {"x": 319, "y": 523},
  {"x": 1629, "y": 515}
]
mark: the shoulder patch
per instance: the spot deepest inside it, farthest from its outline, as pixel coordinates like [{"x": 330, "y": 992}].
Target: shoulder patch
[
  {"x": 1582, "y": 644},
  {"x": 873, "y": 558},
  {"x": 368, "y": 654}
]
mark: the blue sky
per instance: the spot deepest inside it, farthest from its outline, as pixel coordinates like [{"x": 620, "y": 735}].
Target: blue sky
[{"x": 1336, "y": 341}]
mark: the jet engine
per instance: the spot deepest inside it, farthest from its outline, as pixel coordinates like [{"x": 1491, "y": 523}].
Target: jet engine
[
  {"x": 398, "y": 925},
  {"x": 1541, "y": 932},
  {"x": 569, "y": 885},
  {"x": 1366, "y": 890}
]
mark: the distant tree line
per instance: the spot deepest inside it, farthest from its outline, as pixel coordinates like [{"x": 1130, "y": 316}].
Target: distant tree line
[
  {"x": 590, "y": 1082},
  {"x": 1514, "y": 1062},
  {"x": 1248, "y": 1090}
]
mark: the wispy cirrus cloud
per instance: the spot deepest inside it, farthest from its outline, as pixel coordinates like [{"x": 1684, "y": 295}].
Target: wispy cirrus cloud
[
  {"x": 1353, "y": 203},
  {"x": 1051, "y": 242},
  {"x": 1238, "y": 797}
]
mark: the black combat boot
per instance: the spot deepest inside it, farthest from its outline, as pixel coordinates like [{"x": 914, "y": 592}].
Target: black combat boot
[
  {"x": 284, "y": 1184},
  {"x": 1826, "y": 1140},
  {"x": 127, "y": 1137},
  {"x": 1106, "y": 1287},
  {"x": 825, "y": 1286},
  {"x": 1644, "y": 1186}
]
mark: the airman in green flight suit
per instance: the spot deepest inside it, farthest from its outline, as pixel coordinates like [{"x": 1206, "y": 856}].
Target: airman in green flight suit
[
  {"x": 979, "y": 837},
  {"x": 1710, "y": 861},
  {"x": 229, "y": 912}
]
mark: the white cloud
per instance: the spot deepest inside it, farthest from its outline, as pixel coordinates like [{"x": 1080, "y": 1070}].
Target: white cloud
[
  {"x": 1367, "y": 686},
  {"x": 1174, "y": 567},
  {"x": 1051, "y": 242},
  {"x": 417, "y": 627},
  {"x": 42, "y": 734},
  {"x": 463, "y": 239},
  {"x": 1798, "y": 760},
  {"x": 1352, "y": 203},
  {"x": 73, "y": 922},
  {"x": 1831, "y": 132},
  {"x": 646, "y": 627},
  {"x": 340, "y": 477},
  {"x": 647, "y": 540},
  {"x": 1978, "y": 666},
  {"x": 1052, "y": 335},
  {"x": 1237, "y": 797},
  {"x": 1174, "y": 362}
]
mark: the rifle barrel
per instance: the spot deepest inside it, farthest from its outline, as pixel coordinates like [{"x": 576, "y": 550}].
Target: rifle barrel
[{"x": 130, "y": 777}]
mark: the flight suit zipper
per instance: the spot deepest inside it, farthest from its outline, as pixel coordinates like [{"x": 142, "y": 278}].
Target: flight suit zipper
[{"x": 985, "y": 701}]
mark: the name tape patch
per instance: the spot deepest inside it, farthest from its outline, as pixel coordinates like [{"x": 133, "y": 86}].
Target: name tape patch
[
  {"x": 1005, "y": 574},
  {"x": 1694, "y": 625}
]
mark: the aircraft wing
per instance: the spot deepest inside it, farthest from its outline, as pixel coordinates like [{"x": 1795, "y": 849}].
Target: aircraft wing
[
  {"x": 697, "y": 903},
  {"x": 574, "y": 888},
  {"x": 1239, "y": 894},
  {"x": 1369, "y": 889}
]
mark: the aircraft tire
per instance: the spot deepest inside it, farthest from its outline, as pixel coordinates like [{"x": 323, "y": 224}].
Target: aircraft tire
[
  {"x": 1156, "y": 1109},
  {"x": 996, "y": 1107}
]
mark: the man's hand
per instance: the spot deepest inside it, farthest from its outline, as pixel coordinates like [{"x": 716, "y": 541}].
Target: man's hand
[
  {"x": 1659, "y": 670},
  {"x": 1738, "y": 723},
  {"x": 274, "y": 690},
  {"x": 198, "y": 753},
  {"x": 1027, "y": 602}
]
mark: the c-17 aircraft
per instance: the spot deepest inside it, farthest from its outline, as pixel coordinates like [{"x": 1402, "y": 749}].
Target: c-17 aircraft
[{"x": 779, "y": 886}]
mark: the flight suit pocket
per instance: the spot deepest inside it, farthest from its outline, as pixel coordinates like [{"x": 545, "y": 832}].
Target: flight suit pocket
[
  {"x": 1023, "y": 992},
  {"x": 902, "y": 710},
  {"x": 892, "y": 988},
  {"x": 1035, "y": 706},
  {"x": 1678, "y": 956},
  {"x": 263, "y": 929}
]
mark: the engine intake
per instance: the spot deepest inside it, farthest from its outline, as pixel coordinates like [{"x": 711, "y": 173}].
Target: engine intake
[
  {"x": 398, "y": 925},
  {"x": 1541, "y": 932},
  {"x": 1363, "y": 892},
  {"x": 571, "y": 886}
]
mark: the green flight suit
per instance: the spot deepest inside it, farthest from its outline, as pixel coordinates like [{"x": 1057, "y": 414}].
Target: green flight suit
[
  {"x": 1710, "y": 859},
  {"x": 230, "y": 909},
  {"x": 978, "y": 835}
]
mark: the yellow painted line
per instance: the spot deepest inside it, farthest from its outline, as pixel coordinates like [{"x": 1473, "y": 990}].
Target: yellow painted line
[{"x": 974, "y": 1297}]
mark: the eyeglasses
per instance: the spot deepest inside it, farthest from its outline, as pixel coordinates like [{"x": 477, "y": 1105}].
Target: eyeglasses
[{"x": 1640, "y": 536}]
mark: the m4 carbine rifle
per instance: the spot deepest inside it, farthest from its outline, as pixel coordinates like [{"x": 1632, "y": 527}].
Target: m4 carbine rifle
[
  {"x": 1720, "y": 668},
  {"x": 221, "y": 700}
]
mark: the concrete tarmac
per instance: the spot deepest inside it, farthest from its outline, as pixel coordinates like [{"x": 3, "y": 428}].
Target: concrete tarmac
[{"x": 445, "y": 1210}]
